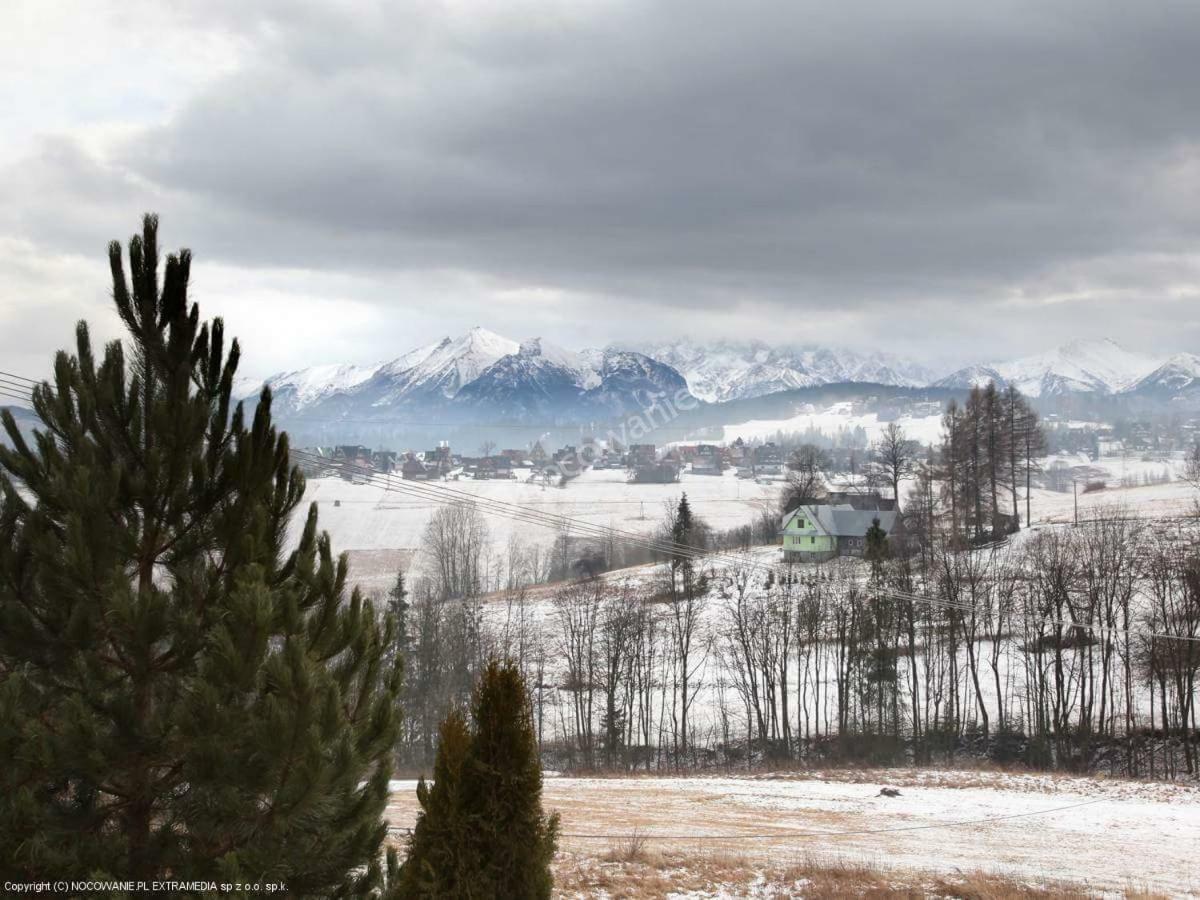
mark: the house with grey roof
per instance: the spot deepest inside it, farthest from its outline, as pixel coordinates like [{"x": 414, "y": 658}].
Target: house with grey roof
[{"x": 820, "y": 531}]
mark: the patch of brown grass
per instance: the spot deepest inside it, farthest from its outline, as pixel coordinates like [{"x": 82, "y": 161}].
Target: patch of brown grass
[
  {"x": 645, "y": 875},
  {"x": 628, "y": 849}
]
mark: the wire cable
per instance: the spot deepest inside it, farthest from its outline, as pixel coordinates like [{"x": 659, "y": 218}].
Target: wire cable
[{"x": 530, "y": 515}]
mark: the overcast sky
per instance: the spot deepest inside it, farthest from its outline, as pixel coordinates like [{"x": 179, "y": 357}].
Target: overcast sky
[{"x": 946, "y": 180}]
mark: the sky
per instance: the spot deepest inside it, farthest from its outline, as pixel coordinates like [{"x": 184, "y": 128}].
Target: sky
[{"x": 951, "y": 182}]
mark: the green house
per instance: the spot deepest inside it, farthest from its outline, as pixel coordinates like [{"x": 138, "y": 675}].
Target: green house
[
  {"x": 805, "y": 538},
  {"x": 822, "y": 531}
]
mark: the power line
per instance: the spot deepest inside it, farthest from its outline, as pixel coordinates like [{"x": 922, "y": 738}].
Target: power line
[
  {"x": 16, "y": 377},
  {"x": 15, "y": 396},
  {"x": 564, "y": 522},
  {"x": 531, "y": 515}
]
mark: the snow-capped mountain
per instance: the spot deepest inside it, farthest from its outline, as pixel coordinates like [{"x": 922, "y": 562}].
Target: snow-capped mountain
[
  {"x": 478, "y": 376},
  {"x": 484, "y": 377},
  {"x": 727, "y": 370},
  {"x": 541, "y": 380},
  {"x": 1081, "y": 366},
  {"x": 1178, "y": 377},
  {"x": 294, "y": 391}
]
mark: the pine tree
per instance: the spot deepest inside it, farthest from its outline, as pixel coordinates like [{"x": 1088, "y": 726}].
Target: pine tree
[
  {"x": 481, "y": 832},
  {"x": 178, "y": 697}
]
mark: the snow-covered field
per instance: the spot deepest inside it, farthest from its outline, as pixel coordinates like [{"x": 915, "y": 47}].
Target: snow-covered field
[
  {"x": 1124, "y": 478},
  {"x": 840, "y": 417},
  {"x": 382, "y": 528},
  {"x": 367, "y": 517},
  {"x": 1099, "y": 834}
]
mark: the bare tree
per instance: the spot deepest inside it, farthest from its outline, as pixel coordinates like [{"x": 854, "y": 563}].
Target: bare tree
[
  {"x": 895, "y": 455},
  {"x": 577, "y": 610},
  {"x": 805, "y": 480},
  {"x": 454, "y": 544},
  {"x": 1191, "y": 466}
]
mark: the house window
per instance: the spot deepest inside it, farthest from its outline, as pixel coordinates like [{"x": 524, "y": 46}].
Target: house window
[{"x": 813, "y": 539}]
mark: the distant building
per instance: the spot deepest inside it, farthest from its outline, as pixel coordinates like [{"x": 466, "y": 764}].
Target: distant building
[
  {"x": 384, "y": 461},
  {"x": 516, "y": 457},
  {"x": 318, "y": 462},
  {"x": 738, "y": 452},
  {"x": 439, "y": 460},
  {"x": 707, "y": 459},
  {"x": 654, "y": 473},
  {"x": 820, "y": 531},
  {"x": 767, "y": 459},
  {"x": 412, "y": 469},
  {"x": 641, "y": 455}
]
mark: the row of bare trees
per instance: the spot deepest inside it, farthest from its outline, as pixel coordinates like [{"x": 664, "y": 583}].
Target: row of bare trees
[
  {"x": 1061, "y": 653},
  {"x": 1074, "y": 647}
]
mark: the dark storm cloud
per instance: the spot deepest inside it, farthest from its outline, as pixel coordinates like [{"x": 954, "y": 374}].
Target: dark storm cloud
[{"x": 683, "y": 154}]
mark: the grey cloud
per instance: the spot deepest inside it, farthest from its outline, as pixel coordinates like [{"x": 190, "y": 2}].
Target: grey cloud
[{"x": 683, "y": 154}]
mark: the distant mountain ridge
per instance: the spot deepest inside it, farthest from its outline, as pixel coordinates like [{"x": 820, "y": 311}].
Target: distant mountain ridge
[
  {"x": 731, "y": 370},
  {"x": 1176, "y": 379},
  {"x": 484, "y": 376},
  {"x": 1081, "y": 366},
  {"x": 479, "y": 375}
]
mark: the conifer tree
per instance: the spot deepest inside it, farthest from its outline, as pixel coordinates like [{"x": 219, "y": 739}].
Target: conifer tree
[
  {"x": 179, "y": 698},
  {"x": 877, "y": 549},
  {"x": 481, "y": 832},
  {"x": 512, "y": 842},
  {"x": 437, "y": 863}
]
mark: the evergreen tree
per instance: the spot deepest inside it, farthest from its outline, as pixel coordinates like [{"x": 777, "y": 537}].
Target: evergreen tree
[
  {"x": 437, "y": 863},
  {"x": 481, "y": 832},
  {"x": 877, "y": 549},
  {"x": 512, "y": 842},
  {"x": 177, "y": 697},
  {"x": 398, "y": 606}
]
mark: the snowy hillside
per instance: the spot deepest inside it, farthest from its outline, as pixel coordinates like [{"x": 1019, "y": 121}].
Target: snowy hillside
[
  {"x": 294, "y": 391},
  {"x": 1179, "y": 376},
  {"x": 727, "y": 370},
  {"x": 1102, "y": 366}
]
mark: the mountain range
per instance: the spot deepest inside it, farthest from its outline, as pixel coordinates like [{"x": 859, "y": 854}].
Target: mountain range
[
  {"x": 479, "y": 376},
  {"x": 1077, "y": 367},
  {"x": 728, "y": 370},
  {"x": 483, "y": 376}
]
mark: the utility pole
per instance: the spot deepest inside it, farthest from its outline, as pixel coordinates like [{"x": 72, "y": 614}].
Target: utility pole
[{"x": 1075, "y": 489}]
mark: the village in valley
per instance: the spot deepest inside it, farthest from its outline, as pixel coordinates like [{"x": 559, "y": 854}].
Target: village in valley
[
  {"x": 732, "y": 641},
  {"x": 556, "y": 450}
]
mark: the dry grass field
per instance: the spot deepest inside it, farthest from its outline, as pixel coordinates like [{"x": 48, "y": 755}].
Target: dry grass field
[{"x": 832, "y": 834}]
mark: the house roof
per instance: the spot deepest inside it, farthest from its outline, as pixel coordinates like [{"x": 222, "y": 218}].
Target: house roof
[{"x": 843, "y": 520}]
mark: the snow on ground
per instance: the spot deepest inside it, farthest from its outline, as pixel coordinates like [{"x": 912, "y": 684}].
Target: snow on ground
[
  {"x": 1156, "y": 501},
  {"x": 1125, "y": 479},
  {"x": 1102, "y": 834},
  {"x": 838, "y": 417},
  {"x": 371, "y": 517}
]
